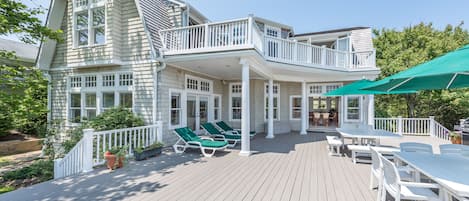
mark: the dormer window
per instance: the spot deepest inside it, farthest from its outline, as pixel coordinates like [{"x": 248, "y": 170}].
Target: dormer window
[{"x": 89, "y": 22}]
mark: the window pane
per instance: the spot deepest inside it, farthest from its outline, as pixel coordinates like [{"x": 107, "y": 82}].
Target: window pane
[
  {"x": 296, "y": 102},
  {"x": 126, "y": 100},
  {"x": 275, "y": 102},
  {"x": 82, "y": 20},
  {"x": 83, "y": 37},
  {"x": 236, "y": 102},
  {"x": 353, "y": 102},
  {"x": 75, "y": 100},
  {"x": 90, "y": 100},
  {"x": 99, "y": 35},
  {"x": 75, "y": 115},
  {"x": 236, "y": 114},
  {"x": 98, "y": 17},
  {"x": 296, "y": 113},
  {"x": 175, "y": 101},
  {"x": 217, "y": 102},
  {"x": 90, "y": 114},
  {"x": 175, "y": 117},
  {"x": 108, "y": 100},
  {"x": 215, "y": 115}
]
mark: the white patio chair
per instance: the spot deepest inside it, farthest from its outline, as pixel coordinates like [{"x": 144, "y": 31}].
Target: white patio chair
[
  {"x": 416, "y": 147},
  {"x": 334, "y": 144},
  {"x": 454, "y": 149},
  {"x": 377, "y": 171},
  {"x": 401, "y": 190}
]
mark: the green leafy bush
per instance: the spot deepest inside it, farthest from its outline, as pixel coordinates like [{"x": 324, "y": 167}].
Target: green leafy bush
[
  {"x": 115, "y": 118},
  {"x": 42, "y": 169},
  {"x": 152, "y": 146}
]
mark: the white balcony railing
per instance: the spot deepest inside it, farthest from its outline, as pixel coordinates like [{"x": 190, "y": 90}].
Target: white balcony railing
[
  {"x": 244, "y": 34},
  {"x": 413, "y": 126}
]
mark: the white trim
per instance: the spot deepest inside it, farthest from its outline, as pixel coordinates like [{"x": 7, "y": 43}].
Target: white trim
[
  {"x": 360, "y": 109},
  {"x": 323, "y": 88},
  {"x": 199, "y": 81},
  {"x": 276, "y": 96},
  {"x": 90, "y": 28},
  {"x": 183, "y": 109},
  {"x": 231, "y": 95},
  {"x": 291, "y": 108}
]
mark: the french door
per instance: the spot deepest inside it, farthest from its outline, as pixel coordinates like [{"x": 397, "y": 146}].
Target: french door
[{"x": 197, "y": 110}]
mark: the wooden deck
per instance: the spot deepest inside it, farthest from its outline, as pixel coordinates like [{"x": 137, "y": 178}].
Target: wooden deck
[{"x": 289, "y": 167}]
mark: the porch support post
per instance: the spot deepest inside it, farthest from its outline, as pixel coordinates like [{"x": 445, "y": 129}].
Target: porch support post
[
  {"x": 245, "y": 111},
  {"x": 270, "y": 126},
  {"x": 304, "y": 112},
  {"x": 371, "y": 110}
]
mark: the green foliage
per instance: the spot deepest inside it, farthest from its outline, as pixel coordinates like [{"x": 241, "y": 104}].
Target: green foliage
[
  {"x": 6, "y": 189},
  {"x": 118, "y": 151},
  {"x": 399, "y": 50},
  {"x": 42, "y": 169},
  {"x": 152, "y": 146},
  {"x": 115, "y": 118}
]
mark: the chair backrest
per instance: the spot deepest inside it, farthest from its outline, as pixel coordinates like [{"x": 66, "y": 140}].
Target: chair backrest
[
  {"x": 210, "y": 128},
  {"x": 224, "y": 126},
  {"x": 416, "y": 147},
  {"x": 317, "y": 115},
  {"x": 456, "y": 149},
  {"x": 186, "y": 134},
  {"x": 391, "y": 177},
  {"x": 376, "y": 163}
]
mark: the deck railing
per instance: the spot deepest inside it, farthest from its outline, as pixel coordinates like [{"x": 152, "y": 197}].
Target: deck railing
[
  {"x": 244, "y": 34},
  {"x": 88, "y": 152},
  {"x": 413, "y": 126}
]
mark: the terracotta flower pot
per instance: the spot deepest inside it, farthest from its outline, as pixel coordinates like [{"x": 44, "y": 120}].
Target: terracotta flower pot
[
  {"x": 120, "y": 162},
  {"x": 110, "y": 160}
]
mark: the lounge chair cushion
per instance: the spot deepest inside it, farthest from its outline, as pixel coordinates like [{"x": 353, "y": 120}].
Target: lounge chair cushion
[
  {"x": 187, "y": 134},
  {"x": 213, "y": 144},
  {"x": 232, "y": 137},
  {"x": 226, "y": 127}
]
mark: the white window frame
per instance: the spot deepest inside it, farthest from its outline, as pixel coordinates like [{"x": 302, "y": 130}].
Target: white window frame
[
  {"x": 219, "y": 108},
  {"x": 272, "y": 28},
  {"x": 322, "y": 86},
  {"x": 231, "y": 96},
  {"x": 99, "y": 89},
  {"x": 199, "y": 85},
  {"x": 88, "y": 8},
  {"x": 360, "y": 109},
  {"x": 291, "y": 107},
  {"x": 276, "y": 96},
  {"x": 182, "y": 108}
]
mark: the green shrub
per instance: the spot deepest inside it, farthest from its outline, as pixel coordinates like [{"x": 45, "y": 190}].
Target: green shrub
[
  {"x": 42, "y": 169},
  {"x": 6, "y": 189},
  {"x": 5, "y": 120},
  {"x": 115, "y": 118}
]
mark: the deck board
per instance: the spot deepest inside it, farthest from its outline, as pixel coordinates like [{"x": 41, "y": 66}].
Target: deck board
[{"x": 288, "y": 167}]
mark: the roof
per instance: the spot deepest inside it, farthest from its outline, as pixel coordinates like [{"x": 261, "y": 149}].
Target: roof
[
  {"x": 331, "y": 31},
  {"x": 24, "y": 52},
  {"x": 155, "y": 18}
]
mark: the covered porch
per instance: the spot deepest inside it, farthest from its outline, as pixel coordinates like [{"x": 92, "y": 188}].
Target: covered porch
[{"x": 288, "y": 167}]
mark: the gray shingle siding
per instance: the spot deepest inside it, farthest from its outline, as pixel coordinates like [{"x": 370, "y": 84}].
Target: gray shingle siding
[{"x": 155, "y": 17}]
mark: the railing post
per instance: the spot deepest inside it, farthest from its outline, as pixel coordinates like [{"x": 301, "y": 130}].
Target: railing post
[
  {"x": 432, "y": 125},
  {"x": 206, "y": 35},
  {"x": 88, "y": 150},
  {"x": 250, "y": 21},
  {"x": 159, "y": 131},
  {"x": 58, "y": 172},
  {"x": 461, "y": 124},
  {"x": 295, "y": 51},
  {"x": 399, "y": 125},
  {"x": 323, "y": 55}
]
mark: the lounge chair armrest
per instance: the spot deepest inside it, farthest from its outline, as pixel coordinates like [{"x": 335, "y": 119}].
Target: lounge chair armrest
[
  {"x": 231, "y": 132},
  {"x": 206, "y": 138},
  {"x": 218, "y": 136},
  {"x": 420, "y": 185},
  {"x": 194, "y": 142}
]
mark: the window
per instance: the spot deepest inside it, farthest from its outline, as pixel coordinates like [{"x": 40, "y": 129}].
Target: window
[
  {"x": 175, "y": 111},
  {"x": 295, "y": 107},
  {"x": 198, "y": 84},
  {"x": 353, "y": 109},
  {"x": 90, "y": 106},
  {"x": 91, "y": 95},
  {"x": 276, "y": 90},
  {"x": 315, "y": 89},
  {"x": 90, "y": 22},
  {"x": 75, "y": 108},
  {"x": 216, "y": 107},
  {"x": 235, "y": 101}
]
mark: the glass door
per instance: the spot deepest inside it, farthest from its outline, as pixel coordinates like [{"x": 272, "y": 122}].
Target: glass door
[
  {"x": 203, "y": 110},
  {"x": 191, "y": 112},
  {"x": 197, "y": 111}
]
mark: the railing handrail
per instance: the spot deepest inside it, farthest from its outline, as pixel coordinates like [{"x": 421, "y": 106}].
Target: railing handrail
[
  {"x": 205, "y": 24},
  {"x": 123, "y": 129},
  {"x": 413, "y": 126}
]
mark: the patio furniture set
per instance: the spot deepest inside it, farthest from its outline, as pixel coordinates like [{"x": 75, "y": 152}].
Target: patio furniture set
[
  {"x": 323, "y": 118},
  {"x": 412, "y": 172},
  {"x": 220, "y": 136}
]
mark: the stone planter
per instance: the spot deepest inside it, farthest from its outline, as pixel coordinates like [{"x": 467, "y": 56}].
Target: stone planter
[{"x": 147, "y": 153}]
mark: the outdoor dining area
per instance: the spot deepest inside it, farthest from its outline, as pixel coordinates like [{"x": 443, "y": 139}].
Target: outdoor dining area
[{"x": 412, "y": 171}]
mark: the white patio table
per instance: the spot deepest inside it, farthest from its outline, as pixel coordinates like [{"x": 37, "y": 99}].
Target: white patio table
[
  {"x": 450, "y": 172},
  {"x": 366, "y": 133}
]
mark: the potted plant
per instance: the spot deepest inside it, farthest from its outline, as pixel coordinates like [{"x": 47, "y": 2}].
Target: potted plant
[
  {"x": 115, "y": 157},
  {"x": 142, "y": 153},
  {"x": 455, "y": 137}
]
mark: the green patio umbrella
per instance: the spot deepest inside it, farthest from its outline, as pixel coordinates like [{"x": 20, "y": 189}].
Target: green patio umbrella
[
  {"x": 355, "y": 88},
  {"x": 445, "y": 72}
]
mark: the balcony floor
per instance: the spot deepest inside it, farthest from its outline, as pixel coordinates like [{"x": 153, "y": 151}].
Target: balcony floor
[{"x": 289, "y": 167}]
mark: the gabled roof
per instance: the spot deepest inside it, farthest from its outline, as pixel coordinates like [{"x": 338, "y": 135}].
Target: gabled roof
[
  {"x": 331, "y": 31},
  {"x": 24, "y": 52}
]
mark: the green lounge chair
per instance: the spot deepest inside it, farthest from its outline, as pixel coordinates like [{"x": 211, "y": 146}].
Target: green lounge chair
[
  {"x": 231, "y": 138},
  {"x": 188, "y": 139},
  {"x": 225, "y": 127}
]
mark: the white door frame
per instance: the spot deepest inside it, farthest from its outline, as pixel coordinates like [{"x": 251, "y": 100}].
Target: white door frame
[{"x": 198, "y": 98}]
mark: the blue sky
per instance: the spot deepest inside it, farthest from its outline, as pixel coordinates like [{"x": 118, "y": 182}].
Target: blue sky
[{"x": 314, "y": 15}]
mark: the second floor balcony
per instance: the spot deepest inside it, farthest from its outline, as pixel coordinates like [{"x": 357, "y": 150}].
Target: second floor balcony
[{"x": 244, "y": 34}]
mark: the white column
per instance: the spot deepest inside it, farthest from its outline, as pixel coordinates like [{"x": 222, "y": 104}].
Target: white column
[
  {"x": 304, "y": 112},
  {"x": 245, "y": 112},
  {"x": 270, "y": 127},
  {"x": 371, "y": 110}
]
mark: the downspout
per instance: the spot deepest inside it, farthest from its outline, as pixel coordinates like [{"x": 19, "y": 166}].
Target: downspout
[
  {"x": 159, "y": 67},
  {"x": 49, "y": 101}
]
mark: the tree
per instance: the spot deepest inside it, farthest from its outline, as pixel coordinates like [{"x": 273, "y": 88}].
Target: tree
[
  {"x": 400, "y": 50},
  {"x": 23, "y": 94}
]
